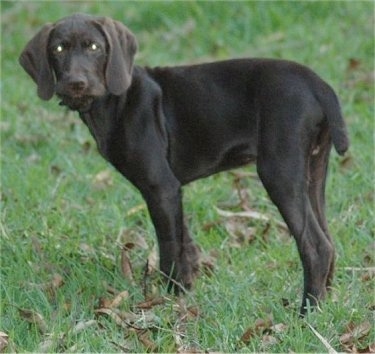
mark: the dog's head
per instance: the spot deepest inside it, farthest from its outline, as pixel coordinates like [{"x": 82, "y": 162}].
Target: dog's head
[{"x": 79, "y": 58}]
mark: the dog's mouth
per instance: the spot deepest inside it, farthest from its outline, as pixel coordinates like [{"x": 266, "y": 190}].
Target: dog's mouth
[{"x": 79, "y": 103}]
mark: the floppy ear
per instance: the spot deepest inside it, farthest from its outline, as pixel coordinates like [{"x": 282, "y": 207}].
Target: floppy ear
[
  {"x": 34, "y": 59},
  {"x": 122, "y": 47}
]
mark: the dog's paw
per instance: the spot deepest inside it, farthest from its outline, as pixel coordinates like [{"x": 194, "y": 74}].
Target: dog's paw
[{"x": 189, "y": 264}]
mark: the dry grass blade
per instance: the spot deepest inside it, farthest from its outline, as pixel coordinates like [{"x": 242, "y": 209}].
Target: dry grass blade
[
  {"x": 126, "y": 267},
  {"x": 322, "y": 339}
]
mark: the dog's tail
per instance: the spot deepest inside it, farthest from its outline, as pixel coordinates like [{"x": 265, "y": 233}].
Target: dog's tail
[{"x": 332, "y": 111}]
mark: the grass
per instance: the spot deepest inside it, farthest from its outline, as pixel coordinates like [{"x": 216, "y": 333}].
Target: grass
[{"x": 66, "y": 212}]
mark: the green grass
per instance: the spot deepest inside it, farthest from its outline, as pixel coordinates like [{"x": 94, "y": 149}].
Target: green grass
[{"x": 58, "y": 219}]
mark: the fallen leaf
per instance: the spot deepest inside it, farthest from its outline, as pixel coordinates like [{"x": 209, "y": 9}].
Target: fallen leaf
[
  {"x": 143, "y": 320},
  {"x": 355, "y": 332},
  {"x": 250, "y": 214},
  {"x": 240, "y": 233},
  {"x": 46, "y": 346},
  {"x": 248, "y": 335},
  {"x": 369, "y": 349},
  {"x": 149, "y": 304},
  {"x": 113, "y": 315},
  {"x": 55, "y": 170},
  {"x": 144, "y": 338},
  {"x": 136, "y": 209},
  {"x": 103, "y": 179},
  {"x": 33, "y": 158},
  {"x": 52, "y": 286},
  {"x": 260, "y": 327},
  {"x": 4, "y": 341},
  {"x": 119, "y": 299},
  {"x": 115, "y": 302},
  {"x": 153, "y": 259},
  {"x": 207, "y": 263},
  {"x": 82, "y": 325},
  {"x": 86, "y": 146},
  {"x": 279, "y": 328},
  {"x": 268, "y": 341},
  {"x": 353, "y": 64},
  {"x": 53, "y": 343},
  {"x": 369, "y": 275},
  {"x": 346, "y": 162},
  {"x": 132, "y": 236},
  {"x": 34, "y": 318}
]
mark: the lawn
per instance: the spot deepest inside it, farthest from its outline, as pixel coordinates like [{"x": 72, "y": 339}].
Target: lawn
[{"x": 78, "y": 248}]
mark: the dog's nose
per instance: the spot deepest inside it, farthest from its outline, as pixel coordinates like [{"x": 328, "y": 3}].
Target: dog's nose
[{"x": 77, "y": 85}]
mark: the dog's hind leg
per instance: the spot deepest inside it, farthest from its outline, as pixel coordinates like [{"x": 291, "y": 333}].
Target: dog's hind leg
[
  {"x": 318, "y": 166},
  {"x": 284, "y": 174}
]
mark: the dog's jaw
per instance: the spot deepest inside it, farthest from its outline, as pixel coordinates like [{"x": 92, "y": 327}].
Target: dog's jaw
[{"x": 79, "y": 103}]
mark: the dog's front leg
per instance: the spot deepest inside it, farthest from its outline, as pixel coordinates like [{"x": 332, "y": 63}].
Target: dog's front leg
[{"x": 178, "y": 254}]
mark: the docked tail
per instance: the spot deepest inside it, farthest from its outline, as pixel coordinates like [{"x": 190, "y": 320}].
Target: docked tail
[{"x": 336, "y": 124}]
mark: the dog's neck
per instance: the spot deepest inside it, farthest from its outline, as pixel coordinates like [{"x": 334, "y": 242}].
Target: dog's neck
[{"x": 101, "y": 119}]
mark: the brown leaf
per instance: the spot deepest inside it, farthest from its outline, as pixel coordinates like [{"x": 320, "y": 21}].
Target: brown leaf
[
  {"x": 103, "y": 180},
  {"x": 4, "y": 341},
  {"x": 46, "y": 346},
  {"x": 207, "y": 263},
  {"x": 144, "y": 338},
  {"x": 239, "y": 231},
  {"x": 34, "y": 318},
  {"x": 149, "y": 304},
  {"x": 369, "y": 349},
  {"x": 52, "y": 286},
  {"x": 115, "y": 302},
  {"x": 248, "y": 335},
  {"x": 251, "y": 214},
  {"x": 268, "y": 341},
  {"x": 355, "y": 332},
  {"x": 132, "y": 236},
  {"x": 260, "y": 326},
  {"x": 153, "y": 259},
  {"x": 369, "y": 275},
  {"x": 136, "y": 209},
  {"x": 82, "y": 325},
  {"x": 354, "y": 64},
  {"x": 119, "y": 298},
  {"x": 346, "y": 162},
  {"x": 113, "y": 315},
  {"x": 279, "y": 328}
]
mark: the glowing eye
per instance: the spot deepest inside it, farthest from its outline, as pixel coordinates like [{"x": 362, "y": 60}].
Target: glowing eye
[
  {"x": 94, "y": 46},
  {"x": 59, "y": 48}
]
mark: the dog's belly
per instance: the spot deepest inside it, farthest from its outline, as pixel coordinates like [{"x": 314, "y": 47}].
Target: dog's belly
[{"x": 195, "y": 166}]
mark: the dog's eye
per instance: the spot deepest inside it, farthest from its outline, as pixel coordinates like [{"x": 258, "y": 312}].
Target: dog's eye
[
  {"x": 93, "y": 47},
  {"x": 59, "y": 49}
]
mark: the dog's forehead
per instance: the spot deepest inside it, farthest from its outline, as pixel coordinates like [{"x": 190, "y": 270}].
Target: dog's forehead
[{"x": 77, "y": 25}]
